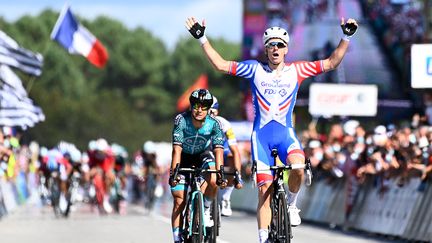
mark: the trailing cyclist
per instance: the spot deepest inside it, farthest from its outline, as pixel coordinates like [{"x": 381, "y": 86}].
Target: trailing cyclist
[
  {"x": 195, "y": 136},
  {"x": 274, "y": 89},
  {"x": 231, "y": 159}
]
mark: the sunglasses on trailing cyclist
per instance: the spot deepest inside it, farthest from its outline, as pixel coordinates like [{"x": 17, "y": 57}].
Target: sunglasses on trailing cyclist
[
  {"x": 275, "y": 43},
  {"x": 197, "y": 106}
]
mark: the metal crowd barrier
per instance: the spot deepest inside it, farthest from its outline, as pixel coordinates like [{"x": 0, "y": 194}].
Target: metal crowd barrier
[{"x": 404, "y": 212}]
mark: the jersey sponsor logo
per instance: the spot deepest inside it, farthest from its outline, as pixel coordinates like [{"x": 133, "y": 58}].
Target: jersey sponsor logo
[
  {"x": 283, "y": 92},
  {"x": 277, "y": 81},
  {"x": 230, "y": 134},
  {"x": 269, "y": 91},
  {"x": 177, "y": 119},
  {"x": 275, "y": 85}
]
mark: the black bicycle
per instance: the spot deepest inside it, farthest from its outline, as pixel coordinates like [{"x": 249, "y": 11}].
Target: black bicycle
[
  {"x": 192, "y": 219},
  {"x": 280, "y": 228},
  {"x": 213, "y": 232}
]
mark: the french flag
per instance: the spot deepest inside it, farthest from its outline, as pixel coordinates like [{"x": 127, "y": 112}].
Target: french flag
[{"x": 77, "y": 39}]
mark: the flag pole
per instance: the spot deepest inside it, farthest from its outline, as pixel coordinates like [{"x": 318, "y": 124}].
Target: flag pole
[{"x": 32, "y": 78}]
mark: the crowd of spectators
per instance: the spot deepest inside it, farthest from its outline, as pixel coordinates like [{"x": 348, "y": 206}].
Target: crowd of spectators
[
  {"x": 26, "y": 166},
  {"x": 398, "y": 25},
  {"x": 392, "y": 152}
]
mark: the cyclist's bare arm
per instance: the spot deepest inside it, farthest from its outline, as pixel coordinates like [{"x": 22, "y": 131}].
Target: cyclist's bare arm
[
  {"x": 176, "y": 155},
  {"x": 218, "y": 62},
  {"x": 236, "y": 156},
  {"x": 336, "y": 57},
  {"x": 218, "y": 153}
]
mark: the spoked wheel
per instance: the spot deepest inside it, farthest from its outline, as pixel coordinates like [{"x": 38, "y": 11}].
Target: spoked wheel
[
  {"x": 197, "y": 221},
  {"x": 280, "y": 228},
  {"x": 284, "y": 233}
]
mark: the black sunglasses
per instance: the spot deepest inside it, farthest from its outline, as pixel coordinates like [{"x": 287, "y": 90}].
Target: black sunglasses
[{"x": 275, "y": 43}]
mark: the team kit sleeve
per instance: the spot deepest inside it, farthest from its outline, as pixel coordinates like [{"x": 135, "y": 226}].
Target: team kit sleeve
[
  {"x": 308, "y": 69},
  {"x": 244, "y": 69},
  {"x": 227, "y": 130},
  {"x": 217, "y": 136},
  {"x": 177, "y": 134}
]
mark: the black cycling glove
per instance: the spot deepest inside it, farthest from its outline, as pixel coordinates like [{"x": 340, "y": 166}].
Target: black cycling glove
[
  {"x": 172, "y": 181},
  {"x": 221, "y": 181},
  {"x": 197, "y": 30},
  {"x": 349, "y": 29}
]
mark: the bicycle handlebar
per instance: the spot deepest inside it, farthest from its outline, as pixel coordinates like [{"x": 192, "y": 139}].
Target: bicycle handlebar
[{"x": 274, "y": 153}]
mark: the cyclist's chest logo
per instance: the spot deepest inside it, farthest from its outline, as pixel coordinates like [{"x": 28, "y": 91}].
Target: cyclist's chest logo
[
  {"x": 196, "y": 140},
  {"x": 276, "y": 81}
]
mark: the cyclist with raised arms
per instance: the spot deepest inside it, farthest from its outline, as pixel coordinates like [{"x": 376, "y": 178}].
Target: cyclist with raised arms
[
  {"x": 231, "y": 159},
  {"x": 274, "y": 87},
  {"x": 195, "y": 136}
]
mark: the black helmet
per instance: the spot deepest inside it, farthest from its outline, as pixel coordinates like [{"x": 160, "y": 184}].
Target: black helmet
[{"x": 201, "y": 96}]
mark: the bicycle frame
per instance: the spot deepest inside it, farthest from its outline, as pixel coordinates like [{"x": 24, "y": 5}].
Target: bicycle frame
[
  {"x": 194, "y": 193},
  {"x": 278, "y": 192}
]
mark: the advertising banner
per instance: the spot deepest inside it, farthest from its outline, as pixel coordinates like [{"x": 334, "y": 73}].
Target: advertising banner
[
  {"x": 343, "y": 100},
  {"x": 421, "y": 66}
]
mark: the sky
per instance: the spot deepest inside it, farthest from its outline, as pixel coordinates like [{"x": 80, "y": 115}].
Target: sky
[{"x": 164, "y": 18}]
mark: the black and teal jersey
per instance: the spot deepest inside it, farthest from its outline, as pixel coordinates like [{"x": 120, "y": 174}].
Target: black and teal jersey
[{"x": 194, "y": 140}]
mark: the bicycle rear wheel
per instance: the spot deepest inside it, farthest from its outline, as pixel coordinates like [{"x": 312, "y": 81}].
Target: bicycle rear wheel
[
  {"x": 197, "y": 220},
  {"x": 283, "y": 227}
]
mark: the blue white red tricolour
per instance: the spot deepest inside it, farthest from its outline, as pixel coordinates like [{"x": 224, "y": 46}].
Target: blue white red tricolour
[{"x": 77, "y": 39}]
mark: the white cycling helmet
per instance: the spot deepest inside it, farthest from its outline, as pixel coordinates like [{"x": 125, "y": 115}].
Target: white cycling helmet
[
  {"x": 149, "y": 147},
  {"x": 215, "y": 106},
  {"x": 275, "y": 32},
  {"x": 102, "y": 144}
]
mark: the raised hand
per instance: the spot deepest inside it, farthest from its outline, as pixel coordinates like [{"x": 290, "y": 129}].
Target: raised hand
[
  {"x": 196, "y": 29},
  {"x": 350, "y": 27}
]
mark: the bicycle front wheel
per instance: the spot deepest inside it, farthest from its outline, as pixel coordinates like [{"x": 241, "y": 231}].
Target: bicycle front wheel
[
  {"x": 197, "y": 220},
  {"x": 213, "y": 232},
  {"x": 284, "y": 233}
]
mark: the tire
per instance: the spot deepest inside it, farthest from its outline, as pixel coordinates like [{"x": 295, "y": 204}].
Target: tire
[
  {"x": 197, "y": 220},
  {"x": 69, "y": 204},
  {"x": 55, "y": 195},
  {"x": 149, "y": 192},
  {"x": 213, "y": 232},
  {"x": 284, "y": 233}
]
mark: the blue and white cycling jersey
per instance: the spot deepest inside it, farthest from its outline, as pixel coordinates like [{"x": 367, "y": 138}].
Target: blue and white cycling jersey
[{"x": 274, "y": 93}]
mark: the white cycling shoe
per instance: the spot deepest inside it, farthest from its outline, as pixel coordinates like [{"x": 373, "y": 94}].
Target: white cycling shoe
[
  {"x": 226, "y": 208},
  {"x": 293, "y": 212},
  {"x": 63, "y": 203},
  {"x": 208, "y": 221}
]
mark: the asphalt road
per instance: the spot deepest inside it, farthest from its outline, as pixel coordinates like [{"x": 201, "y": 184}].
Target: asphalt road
[{"x": 33, "y": 223}]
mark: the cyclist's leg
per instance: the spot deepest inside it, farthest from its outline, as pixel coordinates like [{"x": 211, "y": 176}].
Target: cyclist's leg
[
  {"x": 293, "y": 152},
  {"x": 225, "y": 194},
  {"x": 178, "y": 193},
  {"x": 208, "y": 161},
  {"x": 210, "y": 191},
  {"x": 63, "y": 186},
  {"x": 261, "y": 155},
  {"x": 179, "y": 196}
]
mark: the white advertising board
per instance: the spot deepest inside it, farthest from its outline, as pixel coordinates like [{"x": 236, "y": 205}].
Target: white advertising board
[
  {"x": 421, "y": 66},
  {"x": 343, "y": 100}
]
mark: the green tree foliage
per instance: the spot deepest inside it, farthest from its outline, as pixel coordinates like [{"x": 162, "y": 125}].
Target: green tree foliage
[{"x": 133, "y": 98}]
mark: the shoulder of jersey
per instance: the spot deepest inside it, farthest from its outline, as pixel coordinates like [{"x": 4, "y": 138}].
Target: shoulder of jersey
[{"x": 180, "y": 117}]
